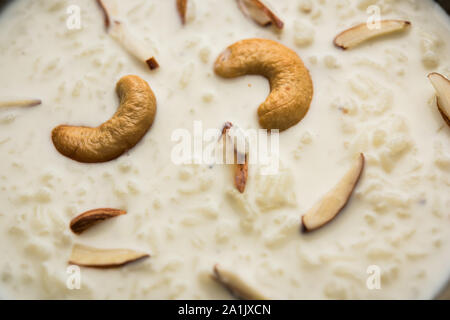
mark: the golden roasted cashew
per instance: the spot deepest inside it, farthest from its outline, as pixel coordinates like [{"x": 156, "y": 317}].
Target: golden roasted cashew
[
  {"x": 290, "y": 83},
  {"x": 122, "y": 132}
]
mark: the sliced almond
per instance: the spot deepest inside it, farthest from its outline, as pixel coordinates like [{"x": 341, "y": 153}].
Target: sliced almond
[
  {"x": 234, "y": 283},
  {"x": 335, "y": 200},
  {"x": 442, "y": 86},
  {"x": 358, "y": 34},
  {"x": 241, "y": 175},
  {"x": 19, "y": 103},
  {"x": 85, "y": 256},
  {"x": 86, "y": 220},
  {"x": 260, "y": 13},
  {"x": 122, "y": 33},
  {"x": 182, "y": 10},
  {"x": 240, "y": 153}
]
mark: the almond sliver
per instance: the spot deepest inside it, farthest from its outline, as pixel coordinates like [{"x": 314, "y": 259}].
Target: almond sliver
[
  {"x": 236, "y": 285},
  {"x": 90, "y": 218},
  {"x": 85, "y": 256},
  {"x": 241, "y": 176},
  {"x": 122, "y": 33},
  {"x": 182, "y": 10},
  {"x": 442, "y": 86},
  {"x": 260, "y": 13},
  {"x": 19, "y": 102},
  {"x": 335, "y": 200},
  {"x": 358, "y": 34}
]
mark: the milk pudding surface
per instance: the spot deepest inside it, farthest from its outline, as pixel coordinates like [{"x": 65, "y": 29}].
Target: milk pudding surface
[{"x": 358, "y": 206}]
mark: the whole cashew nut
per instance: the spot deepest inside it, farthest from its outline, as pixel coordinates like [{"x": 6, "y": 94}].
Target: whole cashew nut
[
  {"x": 290, "y": 83},
  {"x": 122, "y": 132}
]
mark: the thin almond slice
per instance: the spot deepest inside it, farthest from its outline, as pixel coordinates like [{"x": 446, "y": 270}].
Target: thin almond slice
[
  {"x": 335, "y": 200},
  {"x": 85, "y": 256},
  {"x": 237, "y": 287},
  {"x": 358, "y": 34},
  {"x": 122, "y": 33},
  {"x": 260, "y": 13},
  {"x": 442, "y": 86},
  {"x": 240, "y": 155},
  {"x": 241, "y": 175},
  {"x": 86, "y": 220},
  {"x": 182, "y": 9},
  {"x": 19, "y": 103}
]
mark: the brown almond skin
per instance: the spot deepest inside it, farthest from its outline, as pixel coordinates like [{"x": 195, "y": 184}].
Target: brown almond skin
[
  {"x": 446, "y": 119},
  {"x": 113, "y": 138},
  {"x": 439, "y": 103},
  {"x": 90, "y": 218},
  {"x": 241, "y": 176},
  {"x": 105, "y": 13},
  {"x": 291, "y": 85},
  {"x": 241, "y": 169},
  {"x": 182, "y": 10},
  {"x": 152, "y": 63}
]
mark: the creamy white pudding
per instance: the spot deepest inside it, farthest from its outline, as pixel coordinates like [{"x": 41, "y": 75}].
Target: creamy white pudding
[{"x": 374, "y": 99}]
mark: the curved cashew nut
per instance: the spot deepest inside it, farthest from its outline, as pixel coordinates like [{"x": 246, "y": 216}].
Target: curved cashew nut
[
  {"x": 122, "y": 132},
  {"x": 290, "y": 83}
]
